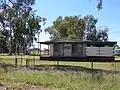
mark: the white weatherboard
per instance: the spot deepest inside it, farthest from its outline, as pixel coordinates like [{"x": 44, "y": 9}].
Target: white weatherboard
[{"x": 99, "y": 51}]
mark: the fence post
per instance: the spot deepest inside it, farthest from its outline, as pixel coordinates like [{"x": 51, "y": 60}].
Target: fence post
[
  {"x": 33, "y": 62},
  {"x": 92, "y": 65},
  {"x": 57, "y": 62},
  {"x": 16, "y": 62},
  {"x": 26, "y": 62}
]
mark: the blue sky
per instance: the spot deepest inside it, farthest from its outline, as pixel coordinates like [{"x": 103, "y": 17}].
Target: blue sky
[{"x": 109, "y": 16}]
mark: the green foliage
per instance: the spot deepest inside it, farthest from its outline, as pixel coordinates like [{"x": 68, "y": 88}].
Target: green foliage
[
  {"x": 70, "y": 27},
  {"x": 3, "y": 43},
  {"x": 99, "y": 6},
  {"x": 21, "y": 22},
  {"x": 116, "y": 47},
  {"x": 92, "y": 33},
  {"x": 76, "y": 27}
]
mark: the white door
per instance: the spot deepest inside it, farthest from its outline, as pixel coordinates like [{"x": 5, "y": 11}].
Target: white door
[{"x": 67, "y": 49}]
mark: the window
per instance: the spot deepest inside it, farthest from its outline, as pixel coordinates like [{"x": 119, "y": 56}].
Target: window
[{"x": 67, "y": 47}]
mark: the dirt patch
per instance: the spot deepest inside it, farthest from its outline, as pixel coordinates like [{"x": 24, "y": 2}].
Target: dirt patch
[
  {"x": 34, "y": 87},
  {"x": 2, "y": 88},
  {"x": 25, "y": 87}
]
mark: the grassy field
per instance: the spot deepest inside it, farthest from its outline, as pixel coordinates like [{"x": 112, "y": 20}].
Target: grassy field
[{"x": 68, "y": 76}]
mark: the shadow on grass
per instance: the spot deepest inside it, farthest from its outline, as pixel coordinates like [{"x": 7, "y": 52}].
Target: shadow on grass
[
  {"x": 65, "y": 68},
  {"x": 72, "y": 68}
]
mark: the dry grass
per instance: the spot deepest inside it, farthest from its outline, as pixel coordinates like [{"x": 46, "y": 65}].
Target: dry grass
[
  {"x": 62, "y": 80},
  {"x": 68, "y": 76}
]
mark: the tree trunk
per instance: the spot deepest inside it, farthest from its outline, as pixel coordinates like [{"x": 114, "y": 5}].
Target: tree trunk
[
  {"x": 10, "y": 43},
  {"x": 16, "y": 60},
  {"x": 38, "y": 44}
]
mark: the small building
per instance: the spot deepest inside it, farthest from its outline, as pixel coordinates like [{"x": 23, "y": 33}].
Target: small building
[
  {"x": 76, "y": 50},
  {"x": 117, "y": 52}
]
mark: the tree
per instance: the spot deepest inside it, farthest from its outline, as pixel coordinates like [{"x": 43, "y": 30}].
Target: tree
[
  {"x": 99, "y": 6},
  {"x": 100, "y": 35},
  {"x": 70, "y": 27},
  {"x": 20, "y": 21},
  {"x": 3, "y": 43},
  {"x": 116, "y": 47},
  {"x": 76, "y": 27},
  {"x": 91, "y": 31}
]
